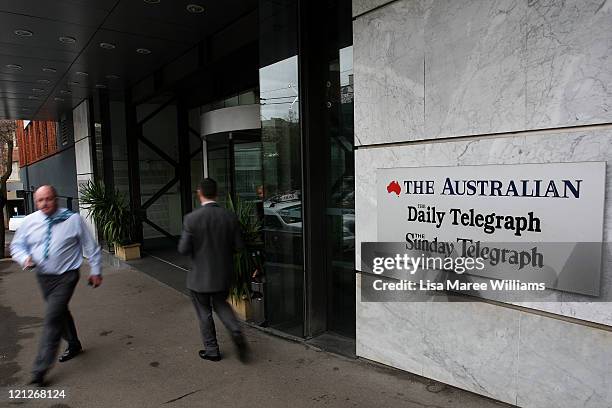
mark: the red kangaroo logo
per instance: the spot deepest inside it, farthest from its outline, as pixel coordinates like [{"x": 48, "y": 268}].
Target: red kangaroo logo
[{"x": 394, "y": 187}]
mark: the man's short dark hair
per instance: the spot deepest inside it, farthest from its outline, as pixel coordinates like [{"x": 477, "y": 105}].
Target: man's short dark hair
[{"x": 208, "y": 187}]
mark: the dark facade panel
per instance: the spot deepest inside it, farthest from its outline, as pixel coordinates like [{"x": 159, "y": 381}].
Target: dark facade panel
[{"x": 57, "y": 170}]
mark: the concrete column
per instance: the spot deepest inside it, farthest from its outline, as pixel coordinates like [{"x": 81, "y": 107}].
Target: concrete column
[{"x": 83, "y": 142}]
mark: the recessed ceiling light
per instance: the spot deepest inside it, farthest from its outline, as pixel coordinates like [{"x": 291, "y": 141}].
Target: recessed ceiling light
[
  {"x": 100, "y": 86},
  {"x": 58, "y": 99},
  {"x": 16, "y": 67},
  {"x": 43, "y": 81},
  {"x": 195, "y": 8},
  {"x": 67, "y": 40},
  {"x": 65, "y": 92},
  {"x": 37, "y": 90},
  {"x": 107, "y": 46},
  {"x": 73, "y": 83},
  {"x": 48, "y": 69},
  {"x": 23, "y": 33},
  {"x": 81, "y": 73},
  {"x": 143, "y": 51},
  {"x": 32, "y": 97}
]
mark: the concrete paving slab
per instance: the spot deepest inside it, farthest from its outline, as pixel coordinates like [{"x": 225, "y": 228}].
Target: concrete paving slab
[{"x": 141, "y": 342}]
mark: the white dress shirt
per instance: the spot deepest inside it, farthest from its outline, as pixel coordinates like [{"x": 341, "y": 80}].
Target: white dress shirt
[{"x": 70, "y": 240}]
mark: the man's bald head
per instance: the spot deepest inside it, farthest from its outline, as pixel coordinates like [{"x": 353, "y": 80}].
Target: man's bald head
[{"x": 45, "y": 198}]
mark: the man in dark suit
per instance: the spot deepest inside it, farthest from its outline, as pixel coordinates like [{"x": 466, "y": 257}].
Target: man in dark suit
[{"x": 211, "y": 236}]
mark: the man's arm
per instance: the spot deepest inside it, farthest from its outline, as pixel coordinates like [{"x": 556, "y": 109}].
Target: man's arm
[
  {"x": 91, "y": 249},
  {"x": 20, "y": 250},
  {"x": 185, "y": 245}
]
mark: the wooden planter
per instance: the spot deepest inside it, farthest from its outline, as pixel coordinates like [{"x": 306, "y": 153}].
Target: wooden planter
[
  {"x": 241, "y": 308},
  {"x": 127, "y": 252}
]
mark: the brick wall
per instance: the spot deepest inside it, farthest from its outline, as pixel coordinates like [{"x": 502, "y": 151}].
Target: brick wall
[{"x": 37, "y": 141}]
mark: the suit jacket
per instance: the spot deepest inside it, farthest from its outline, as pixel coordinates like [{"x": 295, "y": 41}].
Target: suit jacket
[{"x": 211, "y": 235}]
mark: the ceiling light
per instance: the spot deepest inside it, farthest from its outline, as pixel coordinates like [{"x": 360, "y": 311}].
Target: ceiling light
[
  {"x": 111, "y": 76},
  {"x": 43, "y": 81},
  {"x": 65, "y": 92},
  {"x": 16, "y": 67},
  {"x": 73, "y": 83},
  {"x": 100, "y": 86},
  {"x": 23, "y": 33},
  {"x": 107, "y": 46},
  {"x": 81, "y": 73},
  {"x": 48, "y": 69},
  {"x": 152, "y": 1},
  {"x": 195, "y": 8},
  {"x": 67, "y": 40},
  {"x": 143, "y": 51},
  {"x": 58, "y": 99},
  {"x": 32, "y": 97},
  {"x": 37, "y": 90}
]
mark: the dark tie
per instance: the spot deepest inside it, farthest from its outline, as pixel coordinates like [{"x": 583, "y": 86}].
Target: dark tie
[{"x": 56, "y": 219}]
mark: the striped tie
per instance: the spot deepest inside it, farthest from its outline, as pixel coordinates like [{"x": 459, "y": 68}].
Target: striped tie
[{"x": 56, "y": 219}]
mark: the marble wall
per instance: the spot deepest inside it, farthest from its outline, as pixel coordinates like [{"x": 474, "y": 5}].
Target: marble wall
[
  {"x": 428, "y": 71},
  {"x": 506, "y": 354},
  {"x": 537, "y": 147},
  {"x": 363, "y": 6},
  {"x": 447, "y": 69},
  {"x": 83, "y": 140}
]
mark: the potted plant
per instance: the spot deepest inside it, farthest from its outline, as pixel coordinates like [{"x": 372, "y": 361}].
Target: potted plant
[
  {"x": 247, "y": 261},
  {"x": 112, "y": 215}
]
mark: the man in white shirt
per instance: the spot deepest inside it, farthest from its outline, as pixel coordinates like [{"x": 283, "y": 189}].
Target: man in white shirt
[{"x": 52, "y": 241}]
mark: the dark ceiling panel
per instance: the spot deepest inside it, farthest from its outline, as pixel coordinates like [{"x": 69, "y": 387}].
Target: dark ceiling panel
[
  {"x": 46, "y": 33},
  {"x": 21, "y": 87},
  {"x": 31, "y": 67},
  {"x": 153, "y": 21},
  {"x": 167, "y": 29},
  {"x": 124, "y": 60},
  {"x": 216, "y": 14},
  {"x": 18, "y": 50},
  {"x": 90, "y": 13}
]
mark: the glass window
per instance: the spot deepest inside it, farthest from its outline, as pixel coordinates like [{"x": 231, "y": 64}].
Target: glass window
[
  {"x": 282, "y": 166},
  {"x": 231, "y": 101},
  {"x": 246, "y": 98}
]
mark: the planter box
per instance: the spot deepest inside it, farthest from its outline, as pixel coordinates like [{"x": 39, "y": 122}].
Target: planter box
[
  {"x": 127, "y": 252},
  {"x": 241, "y": 308}
]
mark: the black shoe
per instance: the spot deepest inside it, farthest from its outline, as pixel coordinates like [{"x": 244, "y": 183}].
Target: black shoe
[
  {"x": 38, "y": 380},
  {"x": 242, "y": 348},
  {"x": 210, "y": 357},
  {"x": 70, "y": 353}
]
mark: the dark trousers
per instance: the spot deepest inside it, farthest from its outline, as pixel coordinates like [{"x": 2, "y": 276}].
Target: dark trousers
[
  {"x": 204, "y": 304},
  {"x": 57, "y": 291}
]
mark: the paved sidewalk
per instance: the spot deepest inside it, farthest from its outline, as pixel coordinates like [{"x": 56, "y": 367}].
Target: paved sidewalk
[{"x": 141, "y": 341}]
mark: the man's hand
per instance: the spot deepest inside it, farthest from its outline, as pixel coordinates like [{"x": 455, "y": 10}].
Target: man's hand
[
  {"x": 94, "y": 280},
  {"x": 28, "y": 264}
]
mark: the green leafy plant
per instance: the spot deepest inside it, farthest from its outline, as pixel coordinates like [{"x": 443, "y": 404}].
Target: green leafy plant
[
  {"x": 109, "y": 211},
  {"x": 249, "y": 259}
]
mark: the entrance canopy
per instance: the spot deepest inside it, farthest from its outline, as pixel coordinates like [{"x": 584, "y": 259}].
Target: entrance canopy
[{"x": 54, "y": 54}]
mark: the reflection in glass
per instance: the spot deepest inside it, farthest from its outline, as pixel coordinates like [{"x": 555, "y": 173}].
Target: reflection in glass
[
  {"x": 284, "y": 269},
  {"x": 195, "y": 152},
  {"x": 219, "y": 168},
  {"x": 156, "y": 171},
  {"x": 341, "y": 198},
  {"x": 248, "y": 168}
]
